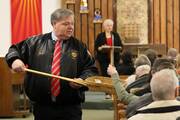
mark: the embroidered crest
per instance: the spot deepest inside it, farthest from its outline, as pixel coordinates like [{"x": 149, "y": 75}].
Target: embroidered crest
[{"x": 74, "y": 54}]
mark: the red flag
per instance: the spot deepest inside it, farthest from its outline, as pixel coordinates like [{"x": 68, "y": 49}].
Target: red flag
[{"x": 26, "y": 19}]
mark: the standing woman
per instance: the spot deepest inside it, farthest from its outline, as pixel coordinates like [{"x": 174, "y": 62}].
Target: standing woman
[{"x": 110, "y": 38}]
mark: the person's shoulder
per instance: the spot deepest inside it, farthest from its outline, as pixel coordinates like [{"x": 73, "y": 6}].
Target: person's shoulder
[
  {"x": 38, "y": 38},
  {"x": 41, "y": 36},
  {"x": 101, "y": 34},
  {"x": 76, "y": 42},
  {"x": 141, "y": 101},
  {"x": 144, "y": 100},
  {"x": 34, "y": 38},
  {"x": 74, "y": 39},
  {"x": 115, "y": 33},
  {"x": 137, "y": 104}
]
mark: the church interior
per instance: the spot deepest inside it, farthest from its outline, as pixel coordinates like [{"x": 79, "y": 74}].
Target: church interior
[{"x": 141, "y": 25}]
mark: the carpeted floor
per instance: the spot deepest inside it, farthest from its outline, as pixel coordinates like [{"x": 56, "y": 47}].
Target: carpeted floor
[
  {"x": 96, "y": 107},
  {"x": 87, "y": 115}
]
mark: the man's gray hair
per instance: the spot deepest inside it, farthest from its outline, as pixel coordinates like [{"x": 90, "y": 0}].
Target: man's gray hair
[
  {"x": 151, "y": 54},
  {"x": 142, "y": 60},
  {"x": 172, "y": 53},
  {"x": 163, "y": 84},
  {"x": 59, "y": 14},
  {"x": 162, "y": 63}
]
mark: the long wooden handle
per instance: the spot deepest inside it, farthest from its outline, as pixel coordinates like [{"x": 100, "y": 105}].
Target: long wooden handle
[
  {"x": 112, "y": 57},
  {"x": 56, "y": 76}
]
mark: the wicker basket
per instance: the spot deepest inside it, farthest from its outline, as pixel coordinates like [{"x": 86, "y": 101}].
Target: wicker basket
[{"x": 100, "y": 84}]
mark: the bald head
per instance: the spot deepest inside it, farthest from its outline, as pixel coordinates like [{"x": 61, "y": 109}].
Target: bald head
[
  {"x": 172, "y": 52},
  {"x": 163, "y": 84}
]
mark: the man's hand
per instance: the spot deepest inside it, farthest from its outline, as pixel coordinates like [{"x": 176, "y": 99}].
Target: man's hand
[
  {"x": 76, "y": 85},
  {"x": 18, "y": 66},
  {"x": 111, "y": 70}
]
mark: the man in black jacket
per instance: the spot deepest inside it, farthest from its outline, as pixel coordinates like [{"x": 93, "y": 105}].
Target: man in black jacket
[{"x": 75, "y": 62}]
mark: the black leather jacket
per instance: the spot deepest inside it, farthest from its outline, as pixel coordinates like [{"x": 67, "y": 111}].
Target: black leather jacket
[{"x": 37, "y": 53}]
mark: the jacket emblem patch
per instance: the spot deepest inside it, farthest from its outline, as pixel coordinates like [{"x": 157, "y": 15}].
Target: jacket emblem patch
[{"x": 74, "y": 54}]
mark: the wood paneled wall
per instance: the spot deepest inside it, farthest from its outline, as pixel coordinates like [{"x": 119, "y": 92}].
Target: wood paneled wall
[
  {"x": 164, "y": 20},
  {"x": 85, "y": 29}
]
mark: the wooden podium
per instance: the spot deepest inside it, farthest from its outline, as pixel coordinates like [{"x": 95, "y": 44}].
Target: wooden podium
[
  {"x": 13, "y": 102},
  {"x": 110, "y": 50}
]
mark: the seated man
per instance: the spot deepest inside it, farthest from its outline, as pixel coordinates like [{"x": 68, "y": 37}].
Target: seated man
[
  {"x": 151, "y": 54},
  {"x": 134, "y": 102},
  {"x": 137, "y": 83},
  {"x": 165, "y": 106}
]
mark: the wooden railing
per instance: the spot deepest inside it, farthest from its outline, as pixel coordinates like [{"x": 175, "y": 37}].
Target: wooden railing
[{"x": 13, "y": 101}]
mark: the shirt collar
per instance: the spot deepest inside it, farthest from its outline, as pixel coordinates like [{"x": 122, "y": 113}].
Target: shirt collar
[
  {"x": 161, "y": 103},
  {"x": 53, "y": 36}
]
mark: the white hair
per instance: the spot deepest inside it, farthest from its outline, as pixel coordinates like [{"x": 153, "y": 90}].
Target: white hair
[
  {"x": 163, "y": 84},
  {"x": 142, "y": 70},
  {"x": 107, "y": 21}
]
